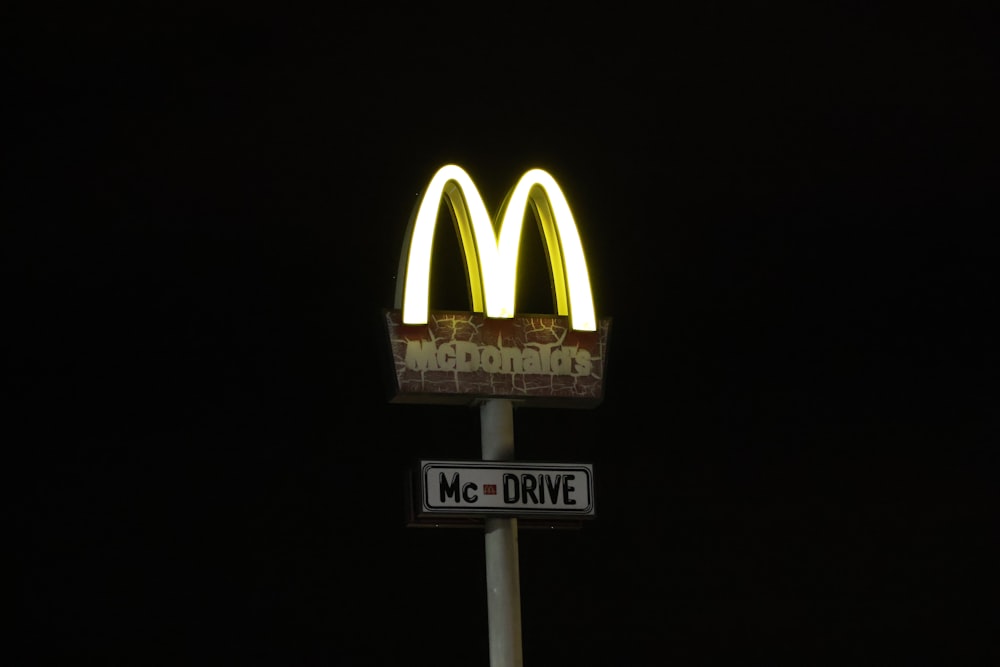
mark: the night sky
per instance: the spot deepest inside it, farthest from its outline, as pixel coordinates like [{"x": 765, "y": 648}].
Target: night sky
[{"x": 786, "y": 215}]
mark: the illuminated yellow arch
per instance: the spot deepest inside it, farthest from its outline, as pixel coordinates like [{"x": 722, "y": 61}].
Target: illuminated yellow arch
[{"x": 491, "y": 263}]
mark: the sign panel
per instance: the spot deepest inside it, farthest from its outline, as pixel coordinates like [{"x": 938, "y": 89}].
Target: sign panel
[
  {"x": 460, "y": 358},
  {"x": 484, "y": 488}
]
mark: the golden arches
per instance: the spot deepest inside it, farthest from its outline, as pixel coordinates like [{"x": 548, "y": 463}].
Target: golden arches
[{"x": 491, "y": 261}]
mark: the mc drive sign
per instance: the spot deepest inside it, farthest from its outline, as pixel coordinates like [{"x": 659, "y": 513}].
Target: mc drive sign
[{"x": 479, "y": 488}]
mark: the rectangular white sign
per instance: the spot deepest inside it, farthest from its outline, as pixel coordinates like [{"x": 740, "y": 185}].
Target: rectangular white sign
[{"x": 473, "y": 488}]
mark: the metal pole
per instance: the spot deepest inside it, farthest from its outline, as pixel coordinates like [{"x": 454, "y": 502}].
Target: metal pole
[{"x": 503, "y": 588}]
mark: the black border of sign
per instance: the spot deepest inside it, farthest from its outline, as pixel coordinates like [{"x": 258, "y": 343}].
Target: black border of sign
[
  {"x": 427, "y": 510},
  {"x": 413, "y": 519}
]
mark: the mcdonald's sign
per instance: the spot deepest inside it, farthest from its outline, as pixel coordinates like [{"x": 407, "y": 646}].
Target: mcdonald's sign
[{"x": 446, "y": 357}]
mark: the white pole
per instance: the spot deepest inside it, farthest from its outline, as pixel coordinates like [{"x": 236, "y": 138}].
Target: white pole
[{"x": 503, "y": 587}]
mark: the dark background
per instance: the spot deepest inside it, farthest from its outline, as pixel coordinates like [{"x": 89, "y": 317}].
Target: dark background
[{"x": 786, "y": 215}]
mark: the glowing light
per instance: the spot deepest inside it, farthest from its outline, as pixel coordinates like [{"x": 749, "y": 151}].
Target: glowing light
[{"x": 491, "y": 262}]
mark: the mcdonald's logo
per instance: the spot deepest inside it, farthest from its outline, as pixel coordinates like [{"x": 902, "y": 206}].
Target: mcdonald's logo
[
  {"x": 448, "y": 357},
  {"x": 491, "y": 262}
]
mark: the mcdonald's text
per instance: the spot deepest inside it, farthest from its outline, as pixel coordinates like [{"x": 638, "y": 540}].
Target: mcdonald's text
[{"x": 460, "y": 358}]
